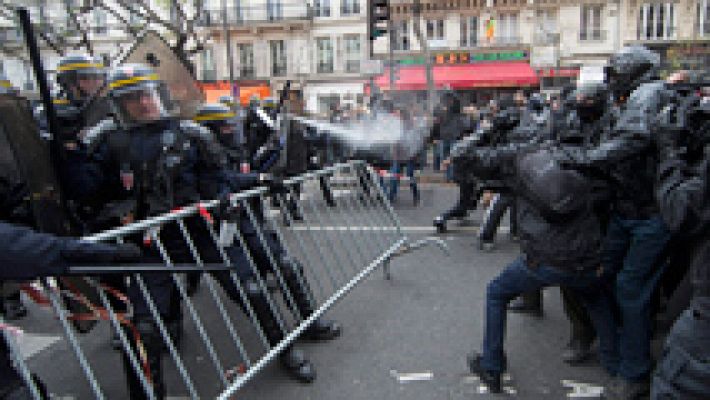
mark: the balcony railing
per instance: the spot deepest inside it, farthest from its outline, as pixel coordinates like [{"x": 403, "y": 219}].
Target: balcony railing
[
  {"x": 267, "y": 12},
  {"x": 593, "y": 35},
  {"x": 247, "y": 73},
  {"x": 325, "y": 68},
  {"x": 279, "y": 70},
  {"x": 505, "y": 41}
]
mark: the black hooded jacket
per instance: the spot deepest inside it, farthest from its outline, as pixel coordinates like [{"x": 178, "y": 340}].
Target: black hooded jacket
[{"x": 556, "y": 219}]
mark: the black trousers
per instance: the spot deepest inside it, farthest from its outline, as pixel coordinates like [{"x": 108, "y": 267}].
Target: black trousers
[{"x": 501, "y": 203}]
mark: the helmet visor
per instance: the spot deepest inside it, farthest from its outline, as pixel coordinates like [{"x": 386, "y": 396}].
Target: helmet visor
[{"x": 140, "y": 105}]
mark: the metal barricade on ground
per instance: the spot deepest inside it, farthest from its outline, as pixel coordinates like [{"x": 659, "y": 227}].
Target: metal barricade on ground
[{"x": 335, "y": 245}]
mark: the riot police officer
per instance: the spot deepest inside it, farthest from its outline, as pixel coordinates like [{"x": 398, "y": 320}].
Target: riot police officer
[
  {"x": 24, "y": 253},
  {"x": 222, "y": 123},
  {"x": 11, "y": 305},
  {"x": 141, "y": 165}
]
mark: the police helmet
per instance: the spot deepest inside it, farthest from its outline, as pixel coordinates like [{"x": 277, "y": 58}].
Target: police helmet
[
  {"x": 220, "y": 119},
  {"x": 80, "y": 76},
  {"x": 6, "y": 86},
  {"x": 630, "y": 67},
  {"x": 137, "y": 95}
]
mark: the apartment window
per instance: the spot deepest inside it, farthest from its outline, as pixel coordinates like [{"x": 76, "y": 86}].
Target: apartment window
[
  {"x": 401, "y": 35},
  {"x": 702, "y": 24},
  {"x": 656, "y": 21},
  {"x": 353, "y": 53},
  {"x": 274, "y": 10},
  {"x": 100, "y": 21},
  {"x": 208, "y": 69},
  {"x": 278, "y": 57},
  {"x": 545, "y": 24},
  {"x": 435, "y": 29},
  {"x": 246, "y": 60},
  {"x": 350, "y": 7},
  {"x": 591, "y": 22},
  {"x": 321, "y": 8},
  {"x": 469, "y": 31},
  {"x": 507, "y": 28},
  {"x": 324, "y": 53}
]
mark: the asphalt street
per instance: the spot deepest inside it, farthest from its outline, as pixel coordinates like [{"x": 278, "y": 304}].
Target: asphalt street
[{"x": 404, "y": 338}]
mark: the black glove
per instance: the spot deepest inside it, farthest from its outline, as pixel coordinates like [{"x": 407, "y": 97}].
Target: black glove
[{"x": 101, "y": 253}]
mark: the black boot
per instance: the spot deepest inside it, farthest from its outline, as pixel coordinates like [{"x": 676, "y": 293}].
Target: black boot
[
  {"x": 489, "y": 378},
  {"x": 440, "y": 224},
  {"x": 295, "y": 280},
  {"x": 296, "y": 364},
  {"x": 152, "y": 343},
  {"x": 292, "y": 360}
]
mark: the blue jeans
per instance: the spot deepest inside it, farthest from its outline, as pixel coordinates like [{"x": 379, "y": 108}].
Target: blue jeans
[
  {"x": 633, "y": 249},
  {"x": 518, "y": 278},
  {"x": 393, "y": 184}
]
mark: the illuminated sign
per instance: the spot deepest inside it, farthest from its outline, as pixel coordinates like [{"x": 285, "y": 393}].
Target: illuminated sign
[{"x": 461, "y": 57}]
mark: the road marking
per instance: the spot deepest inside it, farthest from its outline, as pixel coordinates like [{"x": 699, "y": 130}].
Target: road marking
[{"x": 502, "y": 229}]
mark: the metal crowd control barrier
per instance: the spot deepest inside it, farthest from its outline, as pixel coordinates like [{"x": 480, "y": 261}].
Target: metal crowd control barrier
[{"x": 338, "y": 246}]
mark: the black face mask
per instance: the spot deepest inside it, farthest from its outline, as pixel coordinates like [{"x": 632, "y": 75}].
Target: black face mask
[{"x": 590, "y": 112}]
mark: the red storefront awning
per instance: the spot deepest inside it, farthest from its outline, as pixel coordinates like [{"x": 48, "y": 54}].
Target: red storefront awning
[{"x": 463, "y": 76}]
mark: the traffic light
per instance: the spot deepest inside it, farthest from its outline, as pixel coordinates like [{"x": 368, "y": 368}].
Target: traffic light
[{"x": 378, "y": 15}]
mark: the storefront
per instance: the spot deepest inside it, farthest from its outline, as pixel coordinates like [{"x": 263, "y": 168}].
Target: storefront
[
  {"x": 214, "y": 90},
  {"x": 320, "y": 97},
  {"x": 477, "y": 76}
]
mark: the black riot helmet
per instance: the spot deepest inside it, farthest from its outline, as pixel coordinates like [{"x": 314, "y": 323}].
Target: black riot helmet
[
  {"x": 591, "y": 100},
  {"x": 221, "y": 120},
  {"x": 80, "y": 76},
  {"x": 137, "y": 95},
  {"x": 630, "y": 67}
]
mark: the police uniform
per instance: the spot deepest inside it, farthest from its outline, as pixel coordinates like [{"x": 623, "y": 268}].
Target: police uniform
[
  {"x": 145, "y": 164},
  {"x": 24, "y": 253}
]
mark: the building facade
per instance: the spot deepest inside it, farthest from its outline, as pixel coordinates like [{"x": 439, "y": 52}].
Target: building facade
[
  {"x": 110, "y": 31},
  {"x": 318, "y": 47}
]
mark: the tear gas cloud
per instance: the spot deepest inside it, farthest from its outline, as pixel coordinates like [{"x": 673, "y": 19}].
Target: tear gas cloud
[{"x": 385, "y": 136}]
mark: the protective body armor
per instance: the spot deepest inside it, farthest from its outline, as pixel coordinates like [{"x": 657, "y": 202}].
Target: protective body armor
[{"x": 154, "y": 166}]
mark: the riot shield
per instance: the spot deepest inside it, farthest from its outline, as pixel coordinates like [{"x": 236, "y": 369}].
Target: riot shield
[
  {"x": 26, "y": 155},
  {"x": 151, "y": 49}
]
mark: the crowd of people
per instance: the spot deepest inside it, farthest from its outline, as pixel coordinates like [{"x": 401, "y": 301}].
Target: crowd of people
[
  {"x": 607, "y": 187},
  {"x": 139, "y": 163},
  {"x": 606, "y": 183}
]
